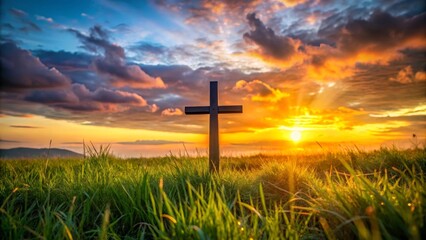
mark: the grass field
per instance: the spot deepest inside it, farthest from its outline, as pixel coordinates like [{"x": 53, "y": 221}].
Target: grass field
[{"x": 351, "y": 194}]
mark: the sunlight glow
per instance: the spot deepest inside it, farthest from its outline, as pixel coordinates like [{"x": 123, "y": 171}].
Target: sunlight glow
[{"x": 296, "y": 135}]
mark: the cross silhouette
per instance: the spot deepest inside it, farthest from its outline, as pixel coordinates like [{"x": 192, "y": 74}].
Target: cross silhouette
[{"x": 214, "y": 109}]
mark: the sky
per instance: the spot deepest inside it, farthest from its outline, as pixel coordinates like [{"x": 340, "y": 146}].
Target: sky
[{"x": 310, "y": 74}]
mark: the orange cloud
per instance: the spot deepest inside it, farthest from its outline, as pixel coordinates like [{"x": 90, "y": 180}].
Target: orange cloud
[
  {"x": 357, "y": 41},
  {"x": 311, "y": 19},
  {"x": 406, "y": 75},
  {"x": 172, "y": 112},
  {"x": 215, "y": 7},
  {"x": 153, "y": 108},
  {"x": 292, "y": 3},
  {"x": 138, "y": 79},
  {"x": 325, "y": 63},
  {"x": 260, "y": 91},
  {"x": 420, "y": 76}
]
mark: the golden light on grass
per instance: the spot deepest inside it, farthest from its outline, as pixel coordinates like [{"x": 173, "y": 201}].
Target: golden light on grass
[{"x": 296, "y": 136}]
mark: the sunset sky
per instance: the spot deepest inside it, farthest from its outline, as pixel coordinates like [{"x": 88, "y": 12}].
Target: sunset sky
[{"x": 309, "y": 73}]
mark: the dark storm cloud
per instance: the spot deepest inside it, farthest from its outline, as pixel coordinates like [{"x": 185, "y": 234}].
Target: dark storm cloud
[
  {"x": 87, "y": 108},
  {"x": 364, "y": 27},
  {"x": 336, "y": 18},
  {"x": 76, "y": 65},
  {"x": 52, "y": 96},
  {"x": 104, "y": 95},
  {"x": 381, "y": 31},
  {"x": 65, "y": 61},
  {"x": 79, "y": 98},
  {"x": 279, "y": 47},
  {"x": 21, "y": 70},
  {"x": 112, "y": 61},
  {"x": 98, "y": 41}
]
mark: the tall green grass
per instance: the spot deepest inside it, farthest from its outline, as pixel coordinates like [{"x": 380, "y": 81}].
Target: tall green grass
[{"x": 347, "y": 195}]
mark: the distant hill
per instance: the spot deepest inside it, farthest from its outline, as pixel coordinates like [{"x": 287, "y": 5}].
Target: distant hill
[{"x": 38, "y": 153}]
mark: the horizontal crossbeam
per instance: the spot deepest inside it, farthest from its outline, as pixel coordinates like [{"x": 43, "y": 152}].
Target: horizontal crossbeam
[
  {"x": 206, "y": 109},
  {"x": 197, "y": 110},
  {"x": 231, "y": 109}
]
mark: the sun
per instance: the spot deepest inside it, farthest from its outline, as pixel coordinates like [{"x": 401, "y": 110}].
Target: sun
[{"x": 296, "y": 135}]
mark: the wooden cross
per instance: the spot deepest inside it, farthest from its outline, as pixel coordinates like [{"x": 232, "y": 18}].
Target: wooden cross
[{"x": 213, "y": 110}]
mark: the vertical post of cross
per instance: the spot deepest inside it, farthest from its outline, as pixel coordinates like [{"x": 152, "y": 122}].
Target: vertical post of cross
[
  {"x": 214, "y": 109},
  {"x": 214, "y": 129}
]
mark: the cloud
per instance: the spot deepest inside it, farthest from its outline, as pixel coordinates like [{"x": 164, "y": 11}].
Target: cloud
[
  {"x": 419, "y": 110},
  {"x": 104, "y": 95},
  {"x": 5, "y": 112},
  {"x": 7, "y": 27},
  {"x": 65, "y": 61},
  {"x": 406, "y": 75},
  {"x": 52, "y": 96},
  {"x": 153, "y": 108},
  {"x": 18, "y": 12},
  {"x": 260, "y": 91},
  {"x": 420, "y": 76},
  {"x": 209, "y": 10},
  {"x": 382, "y": 32},
  {"x": 46, "y": 19},
  {"x": 79, "y": 98},
  {"x": 284, "y": 53},
  {"x": 117, "y": 96},
  {"x": 378, "y": 39},
  {"x": 188, "y": 86},
  {"x": 21, "y": 70},
  {"x": 292, "y": 3},
  {"x": 150, "y": 48},
  {"x": 121, "y": 28},
  {"x": 151, "y": 142},
  {"x": 30, "y": 26},
  {"x": 23, "y": 17},
  {"x": 172, "y": 112},
  {"x": 195, "y": 54},
  {"x": 23, "y": 126},
  {"x": 154, "y": 53},
  {"x": 8, "y": 141},
  {"x": 270, "y": 45},
  {"x": 87, "y": 16},
  {"x": 310, "y": 118},
  {"x": 112, "y": 63}
]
